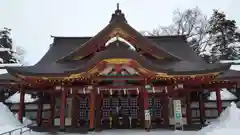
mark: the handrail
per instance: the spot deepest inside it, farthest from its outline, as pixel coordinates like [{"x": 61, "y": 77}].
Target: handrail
[{"x": 20, "y": 128}]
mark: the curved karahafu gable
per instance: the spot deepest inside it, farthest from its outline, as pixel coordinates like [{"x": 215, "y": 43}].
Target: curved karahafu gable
[{"x": 99, "y": 61}]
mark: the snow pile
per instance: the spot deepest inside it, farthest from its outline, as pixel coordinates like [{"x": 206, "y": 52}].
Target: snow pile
[
  {"x": 15, "y": 98},
  {"x": 225, "y": 95},
  {"x": 9, "y": 122},
  {"x": 228, "y": 122},
  {"x": 7, "y": 117},
  {"x": 26, "y": 121}
]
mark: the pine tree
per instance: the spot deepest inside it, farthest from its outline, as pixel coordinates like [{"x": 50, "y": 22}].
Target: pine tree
[
  {"x": 224, "y": 37},
  {"x": 7, "y": 55}
]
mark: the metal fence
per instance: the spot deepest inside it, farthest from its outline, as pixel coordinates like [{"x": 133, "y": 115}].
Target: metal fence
[{"x": 19, "y": 130}]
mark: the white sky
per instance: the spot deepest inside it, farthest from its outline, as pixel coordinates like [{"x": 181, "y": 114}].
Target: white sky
[{"x": 33, "y": 21}]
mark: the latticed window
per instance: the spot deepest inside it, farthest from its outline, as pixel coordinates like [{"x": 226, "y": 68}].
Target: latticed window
[
  {"x": 133, "y": 112},
  {"x": 133, "y": 102},
  {"x": 83, "y": 103},
  {"x": 150, "y": 102},
  {"x": 83, "y": 115},
  {"x": 124, "y": 102},
  {"x": 115, "y": 102},
  {"x": 105, "y": 113},
  {"x": 157, "y": 103},
  {"x": 106, "y": 103}
]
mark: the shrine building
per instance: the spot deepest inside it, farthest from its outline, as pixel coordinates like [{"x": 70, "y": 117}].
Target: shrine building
[{"x": 119, "y": 79}]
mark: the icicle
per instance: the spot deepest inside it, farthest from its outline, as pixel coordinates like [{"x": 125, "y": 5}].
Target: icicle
[{"x": 124, "y": 91}]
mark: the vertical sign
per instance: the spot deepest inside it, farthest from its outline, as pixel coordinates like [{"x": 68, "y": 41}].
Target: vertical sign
[{"x": 177, "y": 111}]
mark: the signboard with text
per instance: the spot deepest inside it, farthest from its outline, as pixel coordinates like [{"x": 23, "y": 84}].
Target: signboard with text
[{"x": 177, "y": 111}]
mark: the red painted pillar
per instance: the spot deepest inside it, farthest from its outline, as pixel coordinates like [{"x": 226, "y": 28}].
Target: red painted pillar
[
  {"x": 98, "y": 103},
  {"x": 74, "y": 108},
  {"x": 52, "y": 110},
  {"x": 201, "y": 108},
  {"x": 21, "y": 106},
  {"x": 92, "y": 109},
  {"x": 146, "y": 110},
  {"x": 188, "y": 109},
  {"x": 165, "y": 110},
  {"x": 62, "y": 109},
  {"x": 219, "y": 100},
  {"x": 40, "y": 109},
  {"x": 141, "y": 109}
]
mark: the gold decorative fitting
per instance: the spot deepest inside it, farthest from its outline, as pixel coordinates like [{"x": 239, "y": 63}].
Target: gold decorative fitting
[
  {"x": 117, "y": 61},
  {"x": 95, "y": 72}
]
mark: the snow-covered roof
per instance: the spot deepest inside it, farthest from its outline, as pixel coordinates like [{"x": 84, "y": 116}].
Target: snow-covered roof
[
  {"x": 4, "y": 49},
  {"x": 225, "y": 95},
  {"x": 15, "y": 98},
  {"x": 235, "y": 67},
  {"x": 10, "y": 65},
  {"x": 230, "y": 61},
  {"x": 3, "y": 71}
]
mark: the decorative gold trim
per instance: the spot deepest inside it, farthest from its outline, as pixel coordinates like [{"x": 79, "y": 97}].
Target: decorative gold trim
[
  {"x": 95, "y": 70},
  {"x": 117, "y": 61}
]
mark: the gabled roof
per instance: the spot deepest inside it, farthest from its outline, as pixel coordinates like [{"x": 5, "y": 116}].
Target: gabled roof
[
  {"x": 177, "y": 45},
  {"x": 118, "y": 51},
  {"x": 67, "y": 55},
  {"x": 118, "y": 27}
]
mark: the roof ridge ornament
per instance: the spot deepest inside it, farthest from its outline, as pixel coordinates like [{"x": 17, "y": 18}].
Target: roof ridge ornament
[
  {"x": 118, "y": 15},
  {"x": 117, "y": 6}
]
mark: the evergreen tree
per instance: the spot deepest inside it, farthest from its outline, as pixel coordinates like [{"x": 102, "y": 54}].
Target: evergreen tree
[
  {"x": 224, "y": 37},
  {"x": 7, "y": 55}
]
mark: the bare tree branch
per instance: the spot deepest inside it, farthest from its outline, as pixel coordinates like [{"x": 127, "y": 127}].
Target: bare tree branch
[{"x": 191, "y": 23}]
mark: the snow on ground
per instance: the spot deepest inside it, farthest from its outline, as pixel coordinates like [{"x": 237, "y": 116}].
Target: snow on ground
[
  {"x": 26, "y": 121},
  {"x": 9, "y": 122},
  {"x": 227, "y": 123},
  {"x": 15, "y": 98},
  {"x": 7, "y": 117},
  {"x": 225, "y": 95}
]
